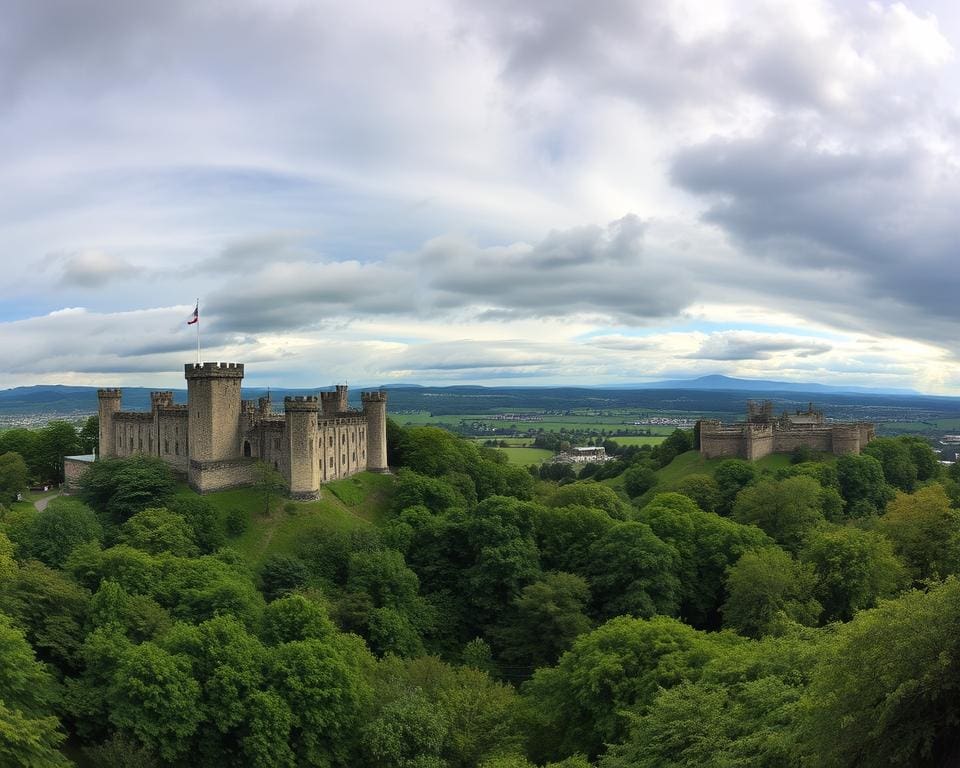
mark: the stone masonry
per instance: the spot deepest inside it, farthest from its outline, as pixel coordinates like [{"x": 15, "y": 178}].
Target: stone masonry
[{"x": 216, "y": 439}]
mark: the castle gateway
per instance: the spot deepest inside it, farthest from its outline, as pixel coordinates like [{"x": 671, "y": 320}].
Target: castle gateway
[
  {"x": 216, "y": 439},
  {"x": 763, "y": 434}
]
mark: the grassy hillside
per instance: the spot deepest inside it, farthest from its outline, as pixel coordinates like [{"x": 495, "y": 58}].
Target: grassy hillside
[{"x": 343, "y": 505}]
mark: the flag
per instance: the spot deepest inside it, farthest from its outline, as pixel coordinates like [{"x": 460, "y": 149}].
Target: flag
[{"x": 195, "y": 317}]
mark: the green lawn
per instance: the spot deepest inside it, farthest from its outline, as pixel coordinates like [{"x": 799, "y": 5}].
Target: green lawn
[
  {"x": 527, "y": 456},
  {"x": 639, "y": 440}
]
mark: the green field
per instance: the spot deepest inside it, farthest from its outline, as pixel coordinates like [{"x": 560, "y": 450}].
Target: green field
[
  {"x": 607, "y": 423},
  {"x": 527, "y": 456},
  {"x": 639, "y": 440}
]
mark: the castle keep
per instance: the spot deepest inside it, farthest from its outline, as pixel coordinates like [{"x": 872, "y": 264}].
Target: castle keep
[
  {"x": 763, "y": 434},
  {"x": 216, "y": 439}
]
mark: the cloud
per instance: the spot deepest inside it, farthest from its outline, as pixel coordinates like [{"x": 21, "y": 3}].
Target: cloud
[
  {"x": 733, "y": 345},
  {"x": 90, "y": 269}
]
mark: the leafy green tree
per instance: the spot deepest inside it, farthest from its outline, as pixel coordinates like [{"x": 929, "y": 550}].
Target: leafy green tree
[
  {"x": 925, "y": 532},
  {"x": 53, "y": 532},
  {"x": 236, "y": 521},
  {"x": 282, "y": 574},
  {"x": 896, "y": 460},
  {"x": 88, "y": 438},
  {"x": 862, "y": 485},
  {"x": 51, "y": 609},
  {"x": 159, "y": 530},
  {"x": 592, "y": 495},
  {"x": 787, "y": 510},
  {"x": 202, "y": 517},
  {"x": 408, "y": 733},
  {"x": 707, "y": 545},
  {"x": 585, "y": 701},
  {"x": 154, "y": 696},
  {"x": 732, "y": 476},
  {"x": 56, "y": 440},
  {"x": 138, "y": 616},
  {"x": 436, "y": 494},
  {"x": 122, "y": 487},
  {"x": 14, "y": 476},
  {"x": 295, "y": 617},
  {"x": 702, "y": 489},
  {"x": 30, "y": 733},
  {"x": 266, "y": 740},
  {"x": 884, "y": 692},
  {"x": 854, "y": 569},
  {"x": 638, "y": 480},
  {"x": 548, "y": 616},
  {"x": 677, "y": 442},
  {"x": 565, "y": 535},
  {"x": 634, "y": 572},
  {"x": 24, "y": 442},
  {"x": 922, "y": 456},
  {"x": 766, "y": 587}
]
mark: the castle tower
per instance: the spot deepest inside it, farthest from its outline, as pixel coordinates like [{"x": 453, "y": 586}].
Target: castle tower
[
  {"x": 213, "y": 405},
  {"x": 342, "y": 398},
  {"x": 302, "y": 446},
  {"x": 375, "y": 411},
  {"x": 329, "y": 403},
  {"x": 108, "y": 404},
  {"x": 160, "y": 400}
]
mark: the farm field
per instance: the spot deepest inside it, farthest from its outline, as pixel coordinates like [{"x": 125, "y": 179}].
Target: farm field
[{"x": 526, "y": 456}]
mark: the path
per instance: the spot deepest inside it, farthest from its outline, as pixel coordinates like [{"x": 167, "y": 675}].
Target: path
[{"x": 41, "y": 503}]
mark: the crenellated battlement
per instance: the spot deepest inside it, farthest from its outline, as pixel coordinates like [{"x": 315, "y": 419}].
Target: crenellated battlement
[
  {"x": 301, "y": 403},
  {"x": 109, "y": 393},
  {"x": 213, "y": 370},
  {"x": 377, "y": 396}
]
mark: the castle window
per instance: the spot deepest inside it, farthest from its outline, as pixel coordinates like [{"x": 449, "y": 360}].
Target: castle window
[
  {"x": 139, "y": 443},
  {"x": 331, "y": 441},
  {"x": 276, "y": 443},
  {"x": 354, "y": 455},
  {"x": 246, "y": 448},
  {"x": 166, "y": 446},
  {"x": 343, "y": 458},
  {"x": 176, "y": 447}
]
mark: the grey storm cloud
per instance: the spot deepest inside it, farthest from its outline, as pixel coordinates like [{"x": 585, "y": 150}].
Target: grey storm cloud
[
  {"x": 605, "y": 271},
  {"x": 89, "y": 269},
  {"x": 739, "y": 346}
]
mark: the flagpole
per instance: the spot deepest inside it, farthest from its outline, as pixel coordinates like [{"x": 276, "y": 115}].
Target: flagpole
[{"x": 198, "y": 331}]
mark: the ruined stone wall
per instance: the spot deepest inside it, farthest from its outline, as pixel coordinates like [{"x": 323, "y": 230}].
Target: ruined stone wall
[
  {"x": 73, "y": 470},
  {"x": 720, "y": 442}
]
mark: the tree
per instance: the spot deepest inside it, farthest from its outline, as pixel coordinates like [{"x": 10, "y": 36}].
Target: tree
[
  {"x": 56, "y": 440},
  {"x": 565, "y": 535},
  {"x": 120, "y": 488},
  {"x": 638, "y": 480},
  {"x": 787, "y": 510},
  {"x": 896, "y": 460},
  {"x": 707, "y": 545},
  {"x": 202, "y": 517},
  {"x": 30, "y": 733},
  {"x": 282, "y": 574},
  {"x": 54, "y": 531},
  {"x": 922, "y": 456},
  {"x": 925, "y": 532},
  {"x": 634, "y": 572},
  {"x": 884, "y": 692},
  {"x": 586, "y": 701},
  {"x": 854, "y": 570},
  {"x": 702, "y": 489},
  {"x": 295, "y": 617},
  {"x": 677, "y": 442},
  {"x": 14, "y": 476},
  {"x": 766, "y": 586},
  {"x": 154, "y": 696},
  {"x": 862, "y": 485},
  {"x": 548, "y": 617},
  {"x": 88, "y": 437},
  {"x": 589, "y": 494},
  {"x": 269, "y": 484},
  {"x": 732, "y": 476},
  {"x": 159, "y": 530}
]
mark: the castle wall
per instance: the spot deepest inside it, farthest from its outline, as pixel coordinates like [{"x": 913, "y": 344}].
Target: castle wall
[
  {"x": 846, "y": 439},
  {"x": 721, "y": 442},
  {"x": 758, "y": 441},
  {"x": 173, "y": 437},
  {"x": 344, "y": 447},
  {"x": 302, "y": 446},
  {"x": 133, "y": 434},
  {"x": 209, "y": 476},
  {"x": 818, "y": 439}
]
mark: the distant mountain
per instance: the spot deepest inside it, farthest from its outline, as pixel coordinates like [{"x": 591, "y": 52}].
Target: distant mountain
[{"x": 728, "y": 383}]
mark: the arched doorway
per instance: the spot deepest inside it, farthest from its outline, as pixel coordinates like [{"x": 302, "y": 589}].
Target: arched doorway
[{"x": 246, "y": 448}]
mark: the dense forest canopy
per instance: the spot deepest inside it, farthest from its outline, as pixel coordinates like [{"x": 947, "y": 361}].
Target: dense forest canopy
[{"x": 480, "y": 614}]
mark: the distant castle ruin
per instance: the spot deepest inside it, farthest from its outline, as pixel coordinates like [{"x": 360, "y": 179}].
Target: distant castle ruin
[
  {"x": 216, "y": 439},
  {"x": 763, "y": 434}
]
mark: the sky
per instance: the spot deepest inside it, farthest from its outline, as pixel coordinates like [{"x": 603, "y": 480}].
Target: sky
[{"x": 484, "y": 192}]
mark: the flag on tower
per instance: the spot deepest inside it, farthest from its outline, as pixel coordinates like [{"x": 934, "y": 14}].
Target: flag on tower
[{"x": 195, "y": 317}]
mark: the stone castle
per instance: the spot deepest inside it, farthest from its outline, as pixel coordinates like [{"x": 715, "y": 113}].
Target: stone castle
[
  {"x": 216, "y": 439},
  {"x": 763, "y": 434}
]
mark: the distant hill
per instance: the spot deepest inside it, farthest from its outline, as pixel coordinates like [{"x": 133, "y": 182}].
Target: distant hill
[{"x": 720, "y": 382}]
